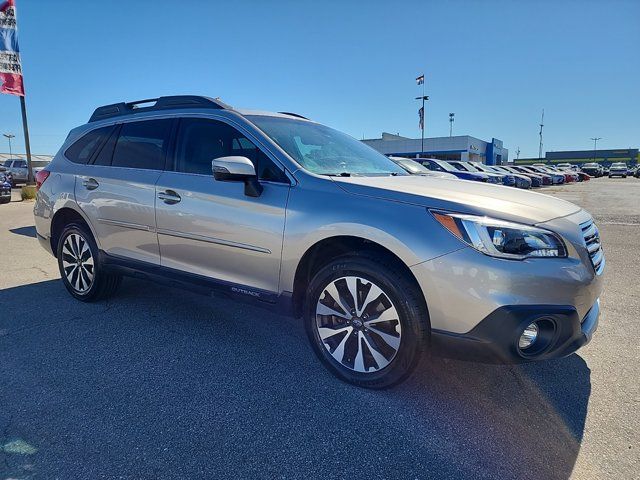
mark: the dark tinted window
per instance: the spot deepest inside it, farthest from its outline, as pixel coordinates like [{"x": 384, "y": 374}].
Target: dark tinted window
[
  {"x": 201, "y": 140},
  {"x": 105, "y": 154},
  {"x": 142, "y": 145},
  {"x": 83, "y": 149}
]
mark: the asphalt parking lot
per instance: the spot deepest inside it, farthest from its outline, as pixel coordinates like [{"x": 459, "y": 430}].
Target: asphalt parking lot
[{"x": 161, "y": 383}]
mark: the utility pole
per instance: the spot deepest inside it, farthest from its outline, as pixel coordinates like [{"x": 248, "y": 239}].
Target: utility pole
[
  {"x": 541, "y": 126},
  {"x": 9, "y": 137},
  {"x": 595, "y": 146},
  {"x": 451, "y": 120}
]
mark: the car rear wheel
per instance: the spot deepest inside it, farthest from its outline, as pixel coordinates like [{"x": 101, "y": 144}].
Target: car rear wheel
[
  {"x": 78, "y": 261},
  {"x": 366, "y": 321}
]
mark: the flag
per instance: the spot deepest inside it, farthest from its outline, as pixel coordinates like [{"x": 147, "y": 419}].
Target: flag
[
  {"x": 420, "y": 79},
  {"x": 10, "y": 66},
  {"x": 421, "y": 118}
]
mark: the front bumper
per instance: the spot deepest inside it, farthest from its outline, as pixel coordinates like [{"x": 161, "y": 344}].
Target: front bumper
[
  {"x": 495, "y": 339},
  {"x": 481, "y": 302}
]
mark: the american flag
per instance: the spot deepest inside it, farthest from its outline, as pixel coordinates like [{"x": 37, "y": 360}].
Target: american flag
[{"x": 10, "y": 65}]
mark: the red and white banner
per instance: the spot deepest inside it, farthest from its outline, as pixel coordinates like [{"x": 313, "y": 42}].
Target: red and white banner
[{"x": 10, "y": 66}]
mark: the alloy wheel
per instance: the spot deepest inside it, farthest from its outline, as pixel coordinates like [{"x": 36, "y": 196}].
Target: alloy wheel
[
  {"x": 358, "y": 324},
  {"x": 77, "y": 263}
]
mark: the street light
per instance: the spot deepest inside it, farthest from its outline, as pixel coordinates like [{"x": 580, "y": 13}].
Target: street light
[
  {"x": 9, "y": 136},
  {"x": 451, "y": 120},
  {"x": 595, "y": 145}
]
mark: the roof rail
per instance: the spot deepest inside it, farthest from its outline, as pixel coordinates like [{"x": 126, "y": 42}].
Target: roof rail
[
  {"x": 155, "y": 104},
  {"x": 294, "y": 115}
]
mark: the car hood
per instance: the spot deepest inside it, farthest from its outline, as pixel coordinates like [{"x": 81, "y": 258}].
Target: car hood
[{"x": 461, "y": 196}]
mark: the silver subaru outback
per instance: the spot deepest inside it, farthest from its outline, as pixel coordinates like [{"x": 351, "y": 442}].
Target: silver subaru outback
[{"x": 286, "y": 213}]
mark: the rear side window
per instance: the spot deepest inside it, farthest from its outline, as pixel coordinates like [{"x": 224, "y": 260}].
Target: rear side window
[
  {"x": 202, "y": 140},
  {"x": 84, "y": 148},
  {"x": 142, "y": 145}
]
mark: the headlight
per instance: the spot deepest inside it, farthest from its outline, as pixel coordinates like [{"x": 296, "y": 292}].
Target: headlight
[{"x": 499, "y": 238}]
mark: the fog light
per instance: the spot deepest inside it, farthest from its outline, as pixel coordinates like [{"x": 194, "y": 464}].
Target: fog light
[{"x": 528, "y": 337}]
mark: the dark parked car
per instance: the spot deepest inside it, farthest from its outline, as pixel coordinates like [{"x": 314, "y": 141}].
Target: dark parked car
[
  {"x": 546, "y": 178},
  {"x": 5, "y": 189},
  {"x": 520, "y": 180},
  {"x": 536, "y": 180},
  {"x": 442, "y": 166},
  {"x": 493, "y": 177},
  {"x": 592, "y": 169}
]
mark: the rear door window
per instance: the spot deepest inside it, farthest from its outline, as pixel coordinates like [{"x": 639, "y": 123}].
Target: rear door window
[
  {"x": 84, "y": 148},
  {"x": 142, "y": 145}
]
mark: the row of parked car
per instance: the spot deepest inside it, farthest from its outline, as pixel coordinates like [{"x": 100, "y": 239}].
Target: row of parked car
[
  {"x": 520, "y": 176},
  {"x": 618, "y": 169},
  {"x": 15, "y": 169}
]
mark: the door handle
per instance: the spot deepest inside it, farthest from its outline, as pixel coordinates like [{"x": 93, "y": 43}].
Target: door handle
[
  {"x": 90, "y": 183},
  {"x": 169, "y": 197}
]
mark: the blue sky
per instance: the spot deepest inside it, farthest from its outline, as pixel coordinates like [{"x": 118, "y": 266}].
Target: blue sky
[{"x": 348, "y": 64}]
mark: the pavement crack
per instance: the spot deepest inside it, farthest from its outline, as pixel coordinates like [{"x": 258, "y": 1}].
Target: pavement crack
[{"x": 41, "y": 270}]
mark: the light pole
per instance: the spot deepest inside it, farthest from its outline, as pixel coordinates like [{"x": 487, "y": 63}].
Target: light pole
[
  {"x": 451, "y": 120},
  {"x": 595, "y": 147},
  {"x": 541, "y": 127},
  {"x": 9, "y": 137}
]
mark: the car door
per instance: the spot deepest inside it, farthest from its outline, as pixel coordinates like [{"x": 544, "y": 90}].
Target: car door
[
  {"x": 19, "y": 170},
  {"x": 117, "y": 189},
  {"x": 211, "y": 228}
]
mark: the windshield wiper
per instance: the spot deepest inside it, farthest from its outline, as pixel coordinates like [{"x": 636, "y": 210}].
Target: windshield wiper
[{"x": 341, "y": 174}]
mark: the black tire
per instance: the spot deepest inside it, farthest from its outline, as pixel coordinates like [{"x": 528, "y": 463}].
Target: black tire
[
  {"x": 405, "y": 297},
  {"x": 5, "y": 200},
  {"x": 103, "y": 284}
]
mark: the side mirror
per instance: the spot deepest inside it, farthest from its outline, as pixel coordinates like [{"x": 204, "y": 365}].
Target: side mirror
[{"x": 237, "y": 169}]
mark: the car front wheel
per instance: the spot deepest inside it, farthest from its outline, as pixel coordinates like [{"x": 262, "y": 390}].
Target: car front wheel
[{"x": 366, "y": 321}]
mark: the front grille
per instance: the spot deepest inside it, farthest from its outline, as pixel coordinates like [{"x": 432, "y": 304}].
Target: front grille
[{"x": 592, "y": 241}]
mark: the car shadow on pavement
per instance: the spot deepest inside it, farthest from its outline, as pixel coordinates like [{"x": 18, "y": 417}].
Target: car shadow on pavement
[
  {"x": 29, "y": 231},
  {"x": 162, "y": 383}
]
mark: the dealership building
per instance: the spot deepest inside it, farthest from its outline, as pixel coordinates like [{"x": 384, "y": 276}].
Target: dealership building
[
  {"x": 461, "y": 147},
  {"x": 629, "y": 156}
]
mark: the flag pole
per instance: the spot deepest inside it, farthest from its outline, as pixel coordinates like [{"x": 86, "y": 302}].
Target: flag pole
[
  {"x": 27, "y": 144},
  {"x": 423, "y": 119},
  {"x": 424, "y": 97}
]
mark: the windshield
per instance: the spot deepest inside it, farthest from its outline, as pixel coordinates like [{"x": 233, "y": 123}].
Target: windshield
[
  {"x": 323, "y": 150},
  {"x": 412, "y": 166},
  {"x": 469, "y": 167},
  {"x": 619, "y": 165},
  {"x": 445, "y": 166}
]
